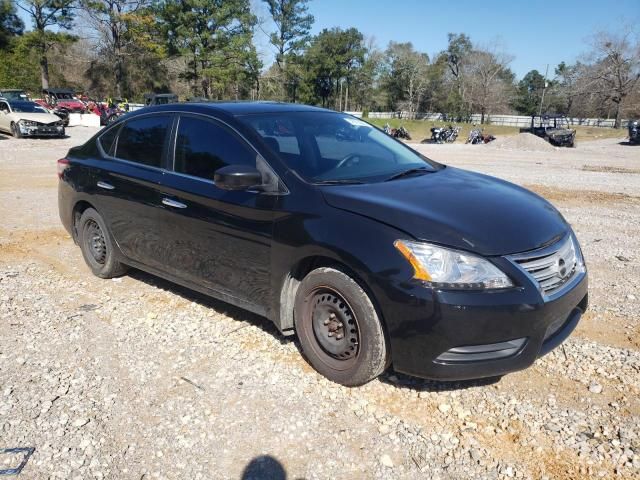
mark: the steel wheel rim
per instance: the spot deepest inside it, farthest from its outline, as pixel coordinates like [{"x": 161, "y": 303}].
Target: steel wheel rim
[
  {"x": 332, "y": 326},
  {"x": 95, "y": 241}
]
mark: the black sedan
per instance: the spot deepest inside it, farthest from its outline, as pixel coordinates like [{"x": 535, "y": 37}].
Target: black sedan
[{"x": 371, "y": 253}]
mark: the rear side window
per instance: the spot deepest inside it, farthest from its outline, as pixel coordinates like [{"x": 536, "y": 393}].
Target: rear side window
[
  {"x": 107, "y": 138},
  {"x": 203, "y": 146},
  {"x": 141, "y": 140}
]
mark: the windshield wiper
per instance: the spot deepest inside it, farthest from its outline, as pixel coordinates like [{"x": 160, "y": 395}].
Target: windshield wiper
[
  {"x": 410, "y": 171},
  {"x": 339, "y": 181}
]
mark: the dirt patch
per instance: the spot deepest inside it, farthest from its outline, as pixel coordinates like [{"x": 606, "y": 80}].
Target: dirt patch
[
  {"x": 581, "y": 196},
  {"x": 606, "y": 169},
  {"x": 609, "y": 329},
  {"x": 523, "y": 141}
]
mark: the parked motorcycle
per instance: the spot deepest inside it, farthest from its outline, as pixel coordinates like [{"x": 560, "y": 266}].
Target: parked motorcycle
[
  {"x": 400, "y": 133},
  {"x": 476, "y": 136},
  {"x": 445, "y": 134}
]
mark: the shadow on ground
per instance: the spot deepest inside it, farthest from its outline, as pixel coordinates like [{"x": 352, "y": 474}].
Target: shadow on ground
[
  {"x": 397, "y": 380},
  {"x": 264, "y": 467}
]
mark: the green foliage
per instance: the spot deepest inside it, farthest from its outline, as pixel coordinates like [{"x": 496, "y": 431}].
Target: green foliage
[
  {"x": 293, "y": 24},
  {"x": 10, "y": 23},
  {"x": 20, "y": 67},
  {"x": 529, "y": 92},
  {"x": 215, "y": 36},
  {"x": 333, "y": 56}
]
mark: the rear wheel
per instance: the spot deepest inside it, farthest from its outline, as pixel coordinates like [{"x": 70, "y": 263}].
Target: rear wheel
[
  {"x": 97, "y": 246},
  {"x": 339, "y": 329}
]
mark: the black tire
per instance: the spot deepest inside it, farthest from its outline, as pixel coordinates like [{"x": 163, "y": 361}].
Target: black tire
[
  {"x": 111, "y": 119},
  {"x": 328, "y": 304},
  {"x": 97, "y": 246},
  {"x": 15, "y": 131}
]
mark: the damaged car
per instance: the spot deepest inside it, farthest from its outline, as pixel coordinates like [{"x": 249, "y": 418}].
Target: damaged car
[{"x": 28, "y": 119}]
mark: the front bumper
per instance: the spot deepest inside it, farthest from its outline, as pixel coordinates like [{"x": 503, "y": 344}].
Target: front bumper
[
  {"x": 453, "y": 335},
  {"x": 41, "y": 130}
]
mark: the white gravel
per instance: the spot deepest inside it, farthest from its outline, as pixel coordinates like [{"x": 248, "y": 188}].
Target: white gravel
[{"x": 138, "y": 379}]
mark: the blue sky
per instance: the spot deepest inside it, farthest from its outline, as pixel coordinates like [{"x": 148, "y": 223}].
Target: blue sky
[{"x": 535, "y": 32}]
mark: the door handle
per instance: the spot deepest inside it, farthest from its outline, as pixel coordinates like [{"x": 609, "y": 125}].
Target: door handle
[
  {"x": 172, "y": 203},
  {"x": 105, "y": 185}
]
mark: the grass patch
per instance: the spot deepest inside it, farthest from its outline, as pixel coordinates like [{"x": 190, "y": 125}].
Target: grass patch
[{"x": 596, "y": 133}]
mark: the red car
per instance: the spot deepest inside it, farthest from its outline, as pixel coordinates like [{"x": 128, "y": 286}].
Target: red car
[{"x": 63, "y": 98}]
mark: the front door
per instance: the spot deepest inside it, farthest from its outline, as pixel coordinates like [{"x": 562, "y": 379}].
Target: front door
[{"x": 218, "y": 239}]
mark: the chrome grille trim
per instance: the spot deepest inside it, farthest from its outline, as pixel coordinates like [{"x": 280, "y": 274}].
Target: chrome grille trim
[{"x": 553, "y": 267}]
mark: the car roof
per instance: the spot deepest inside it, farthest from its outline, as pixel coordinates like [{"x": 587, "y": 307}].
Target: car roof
[
  {"x": 11, "y": 90},
  {"x": 237, "y": 108},
  {"x": 20, "y": 102}
]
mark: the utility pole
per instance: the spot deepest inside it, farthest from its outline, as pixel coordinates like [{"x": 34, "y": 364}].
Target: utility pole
[{"x": 544, "y": 87}]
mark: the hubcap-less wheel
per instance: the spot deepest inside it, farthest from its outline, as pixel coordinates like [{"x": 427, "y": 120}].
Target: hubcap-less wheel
[
  {"x": 96, "y": 242},
  {"x": 334, "y": 327}
]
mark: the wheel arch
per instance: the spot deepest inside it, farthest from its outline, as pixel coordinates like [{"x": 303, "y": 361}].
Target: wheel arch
[
  {"x": 78, "y": 209},
  {"x": 298, "y": 271}
]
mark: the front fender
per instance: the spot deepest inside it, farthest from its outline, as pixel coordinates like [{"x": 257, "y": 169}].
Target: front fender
[{"x": 364, "y": 246}]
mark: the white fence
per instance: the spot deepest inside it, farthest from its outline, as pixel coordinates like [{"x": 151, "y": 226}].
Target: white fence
[{"x": 508, "y": 120}]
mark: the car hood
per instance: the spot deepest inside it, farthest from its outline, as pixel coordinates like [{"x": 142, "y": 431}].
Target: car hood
[
  {"x": 560, "y": 132},
  {"x": 456, "y": 208},
  {"x": 35, "y": 117}
]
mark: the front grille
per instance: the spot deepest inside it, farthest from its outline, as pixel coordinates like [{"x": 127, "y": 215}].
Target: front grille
[{"x": 551, "y": 267}]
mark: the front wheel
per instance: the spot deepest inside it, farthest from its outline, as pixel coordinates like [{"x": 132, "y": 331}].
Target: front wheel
[
  {"x": 97, "y": 246},
  {"x": 15, "y": 131},
  {"x": 339, "y": 329}
]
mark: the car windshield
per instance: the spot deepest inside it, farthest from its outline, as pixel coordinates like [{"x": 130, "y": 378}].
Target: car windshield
[
  {"x": 27, "y": 107},
  {"x": 334, "y": 147},
  {"x": 14, "y": 95}
]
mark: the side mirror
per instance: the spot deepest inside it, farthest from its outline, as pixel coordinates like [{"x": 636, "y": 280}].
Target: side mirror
[{"x": 237, "y": 177}]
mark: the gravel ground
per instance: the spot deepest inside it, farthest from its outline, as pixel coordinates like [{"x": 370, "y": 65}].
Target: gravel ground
[{"x": 135, "y": 378}]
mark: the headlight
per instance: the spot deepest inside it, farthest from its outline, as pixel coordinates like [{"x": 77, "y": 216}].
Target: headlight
[
  {"x": 445, "y": 268},
  {"x": 28, "y": 123}
]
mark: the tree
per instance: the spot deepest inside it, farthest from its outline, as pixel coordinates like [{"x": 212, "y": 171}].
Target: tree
[
  {"x": 566, "y": 87},
  {"x": 615, "y": 68},
  {"x": 331, "y": 62},
  {"x": 45, "y": 14},
  {"x": 489, "y": 77},
  {"x": 458, "y": 50},
  {"x": 529, "y": 92},
  {"x": 407, "y": 75},
  {"x": 122, "y": 28},
  {"x": 10, "y": 23},
  {"x": 207, "y": 33},
  {"x": 293, "y": 24}
]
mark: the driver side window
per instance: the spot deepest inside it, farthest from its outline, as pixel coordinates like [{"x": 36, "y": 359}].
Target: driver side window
[
  {"x": 4, "y": 107},
  {"x": 204, "y": 146}
]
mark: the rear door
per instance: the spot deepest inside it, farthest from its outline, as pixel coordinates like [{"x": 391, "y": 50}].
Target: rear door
[
  {"x": 216, "y": 238},
  {"x": 128, "y": 188}
]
